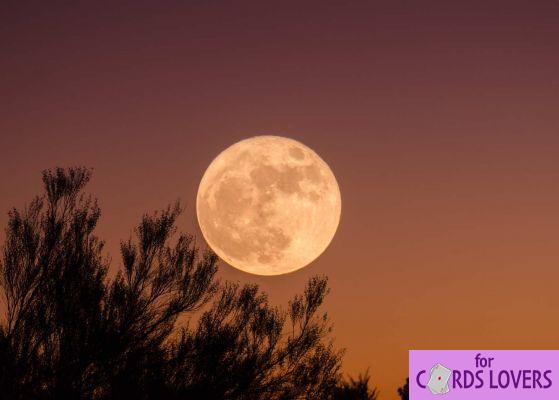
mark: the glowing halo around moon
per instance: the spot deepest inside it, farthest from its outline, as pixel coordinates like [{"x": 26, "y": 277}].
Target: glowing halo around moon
[{"x": 268, "y": 205}]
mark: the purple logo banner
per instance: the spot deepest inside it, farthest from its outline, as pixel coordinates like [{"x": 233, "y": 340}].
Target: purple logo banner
[{"x": 484, "y": 374}]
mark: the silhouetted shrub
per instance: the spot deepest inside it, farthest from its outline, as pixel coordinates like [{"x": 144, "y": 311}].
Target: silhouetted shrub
[
  {"x": 71, "y": 332},
  {"x": 403, "y": 392},
  {"x": 355, "y": 389}
]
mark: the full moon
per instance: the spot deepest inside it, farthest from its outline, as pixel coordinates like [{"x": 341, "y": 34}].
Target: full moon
[{"x": 268, "y": 205}]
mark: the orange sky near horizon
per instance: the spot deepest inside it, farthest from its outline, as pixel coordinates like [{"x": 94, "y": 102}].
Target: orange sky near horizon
[{"x": 440, "y": 122}]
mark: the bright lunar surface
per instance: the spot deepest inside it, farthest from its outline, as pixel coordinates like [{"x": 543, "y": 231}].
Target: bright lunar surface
[{"x": 268, "y": 205}]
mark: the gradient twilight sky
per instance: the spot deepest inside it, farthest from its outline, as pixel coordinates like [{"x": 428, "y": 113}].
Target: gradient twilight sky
[{"x": 440, "y": 120}]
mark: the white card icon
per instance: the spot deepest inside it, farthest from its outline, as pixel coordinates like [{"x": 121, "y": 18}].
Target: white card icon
[{"x": 438, "y": 382}]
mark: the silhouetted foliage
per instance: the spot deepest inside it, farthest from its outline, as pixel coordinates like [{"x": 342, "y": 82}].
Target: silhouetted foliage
[
  {"x": 241, "y": 348},
  {"x": 72, "y": 332},
  {"x": 355, "y": 389},
  {"x": 403, "y": 392}
]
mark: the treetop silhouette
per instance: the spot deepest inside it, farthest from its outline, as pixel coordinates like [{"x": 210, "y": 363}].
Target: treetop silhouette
[{"x": 72, "y": 332}]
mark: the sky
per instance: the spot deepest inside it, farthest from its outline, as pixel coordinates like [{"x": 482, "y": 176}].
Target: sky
[{"x": 439, "y": 119}]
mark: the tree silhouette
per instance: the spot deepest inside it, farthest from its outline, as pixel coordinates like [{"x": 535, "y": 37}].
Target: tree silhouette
[
  {"x": 53, "y": 275},
  {"x": 404, "y": 392},
  {"x": 241, "y": 348},
  {"x": 355, "y": 389},
  {"x": 163, "y": 327}
]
